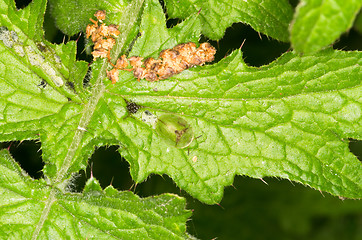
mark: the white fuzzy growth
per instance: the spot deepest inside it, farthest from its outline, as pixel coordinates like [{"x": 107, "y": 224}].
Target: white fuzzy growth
[
  {"x": 7, "y": 37},
  {"x": 57, "y": 59},
  {"x": 39, "y": 60},
  {"x": 10, "y": 39},
  {"x": 48, "y": 69},
  {"x": 19, "y": 50},
  {"x": 34, "y": 58},
  {"x": 58, "y": 81}
]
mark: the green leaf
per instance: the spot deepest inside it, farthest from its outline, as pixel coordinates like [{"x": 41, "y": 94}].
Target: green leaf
[
  {"x": 26, "y": 21},
  {"x": 96, "y": 214},
  {"x": 43, "y": 96},
  {"x": 271, "y": 17},
  {"x": 72, "y": 16},
  {"x": 288, "y": 119},
  {"x": 35, "y": 74},
  {"x": 318, "y": 23},
  {"x": 58, "y": 109}
]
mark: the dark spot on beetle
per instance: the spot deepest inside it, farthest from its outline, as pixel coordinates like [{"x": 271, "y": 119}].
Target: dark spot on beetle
[{"x": 179, "y": 133}]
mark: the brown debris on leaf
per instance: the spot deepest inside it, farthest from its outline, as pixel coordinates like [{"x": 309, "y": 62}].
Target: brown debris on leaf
[
  {"x": 103, "y": 36},
  {"x": 100, "y": 15},
  {"x": 170, "y": 61},
  {"x": 113, "y": 75}
]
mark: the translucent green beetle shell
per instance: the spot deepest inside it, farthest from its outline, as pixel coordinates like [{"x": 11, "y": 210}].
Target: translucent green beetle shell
[{"x": 176, "y": 130}]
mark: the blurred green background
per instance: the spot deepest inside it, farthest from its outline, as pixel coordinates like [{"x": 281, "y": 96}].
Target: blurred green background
[{"x": 250, "y": 208}]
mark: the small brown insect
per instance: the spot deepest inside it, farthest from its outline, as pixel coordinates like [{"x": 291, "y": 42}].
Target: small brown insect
[
  {"x": 152, "y": 64},
  {"x": 139, "y": 73},
  {"x": 102, "y": 36},
  {"x": 121, "y": 63},
  {"x": 151, "y": 76},
  {"x": 113, "y": 30},
  {"x": 100, "y": 15},
  {"x": 169, "y": 54},
  {"x": 99, "y": 53},
  {"x": 90, "y": 30},
  {"x": 165, "y": 72},
  {"x": 103, "y": 31},
  {"x": 206, "y": 52},
  {"x": 113, "y": 75},
  {"x": 105, "y": 43},
  {"x": 135, "y": 61},
  {"x": 170, "y": 61}
]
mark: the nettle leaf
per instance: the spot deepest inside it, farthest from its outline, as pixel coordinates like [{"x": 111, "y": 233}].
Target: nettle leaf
[
  {"x": 271, "y": 17},
  {"x": 95, "y": 214},
  {"x": 35, "y": 74},
  {"x": 290, "y": 119},
  {"x": 42, "y": 96},
  {"x": 154, "y": 21},
  {"x": 318, "y": 23}
]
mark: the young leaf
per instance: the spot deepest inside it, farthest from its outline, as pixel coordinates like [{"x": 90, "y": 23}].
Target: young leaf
[
  {"x": 271, "y": 17},
  {"x": 95, "y": 214},
  {"x": 318, "y": 23},
  {"x": 72, "y": 16},
  {"x": 153, "y": 20}
]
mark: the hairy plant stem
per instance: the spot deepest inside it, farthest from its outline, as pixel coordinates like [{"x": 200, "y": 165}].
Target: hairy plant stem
[
  {"x": 127, "y": 22},
  {"x": 97, "y": 93}
]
